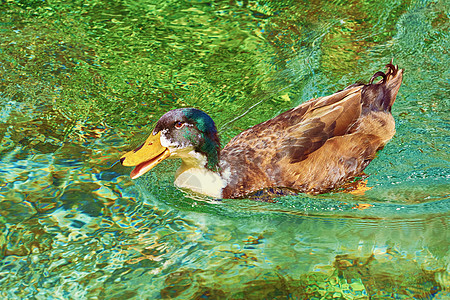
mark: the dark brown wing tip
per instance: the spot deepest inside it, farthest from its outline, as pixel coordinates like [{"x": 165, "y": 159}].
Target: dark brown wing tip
[
  {"x": 377, "y": 74},
  {"x": 381, "y": 95},
  {"x": 392, "y": 70}
]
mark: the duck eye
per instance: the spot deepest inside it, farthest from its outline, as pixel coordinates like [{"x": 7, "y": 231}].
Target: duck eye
[{"x": 179, "y": 125}]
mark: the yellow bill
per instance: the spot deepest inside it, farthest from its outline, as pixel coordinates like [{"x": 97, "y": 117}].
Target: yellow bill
[{"x": 146, "y": 156}]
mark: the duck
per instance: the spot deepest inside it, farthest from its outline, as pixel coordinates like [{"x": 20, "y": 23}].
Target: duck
[{"x": 313, "y": 148}]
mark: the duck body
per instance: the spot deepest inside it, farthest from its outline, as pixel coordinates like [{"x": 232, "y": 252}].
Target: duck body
[{"x": 312, "y": 148}]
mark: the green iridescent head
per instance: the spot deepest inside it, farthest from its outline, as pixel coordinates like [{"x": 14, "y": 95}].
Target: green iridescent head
[{"x": 190, "y": 127}]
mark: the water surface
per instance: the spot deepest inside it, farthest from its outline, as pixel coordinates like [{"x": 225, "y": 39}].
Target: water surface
[{"x": 84, "y": 81}]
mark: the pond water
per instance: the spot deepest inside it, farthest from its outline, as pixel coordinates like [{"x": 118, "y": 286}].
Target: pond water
[{"x": 84, "y": 81}]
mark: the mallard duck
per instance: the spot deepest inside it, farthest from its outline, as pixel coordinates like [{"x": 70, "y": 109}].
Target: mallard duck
[{"x": 312, "y": 148}]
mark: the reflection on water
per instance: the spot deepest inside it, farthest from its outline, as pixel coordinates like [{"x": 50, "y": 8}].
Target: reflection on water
[{"x": 82, "y": 82}]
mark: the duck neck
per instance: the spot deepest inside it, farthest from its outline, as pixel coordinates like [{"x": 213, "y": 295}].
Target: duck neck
[
  {"x": 194, "y": 174},
  {"x": 210, "y": 150},
  {"x": 193, "y": 160}
]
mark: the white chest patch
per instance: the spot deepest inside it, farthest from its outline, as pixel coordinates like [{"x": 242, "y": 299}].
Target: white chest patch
[{"x": 202, "y": 181}]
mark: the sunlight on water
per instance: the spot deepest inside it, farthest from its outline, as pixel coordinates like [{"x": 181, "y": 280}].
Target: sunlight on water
[{"x": 84, "y": 81}]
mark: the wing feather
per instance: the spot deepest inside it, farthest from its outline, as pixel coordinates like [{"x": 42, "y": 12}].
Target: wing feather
[{"x": 290, "y": 137}]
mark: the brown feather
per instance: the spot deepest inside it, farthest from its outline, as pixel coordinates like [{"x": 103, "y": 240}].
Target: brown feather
[{"x": 316, "y": 146}]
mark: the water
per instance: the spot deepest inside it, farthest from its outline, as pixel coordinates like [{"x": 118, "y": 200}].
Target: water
[{"x": 84, "y": 81}]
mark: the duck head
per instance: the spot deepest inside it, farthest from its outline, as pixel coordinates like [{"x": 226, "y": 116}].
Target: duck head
[{"x": 186, "y": 133}]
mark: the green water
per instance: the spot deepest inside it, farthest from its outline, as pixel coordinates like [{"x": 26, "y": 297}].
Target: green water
[{"x": 83, "y": 81}]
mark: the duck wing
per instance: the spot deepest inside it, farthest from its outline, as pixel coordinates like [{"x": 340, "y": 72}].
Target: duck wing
[
  {"x": 316, "y": 145},
  {"x": 254, "y": 158}
]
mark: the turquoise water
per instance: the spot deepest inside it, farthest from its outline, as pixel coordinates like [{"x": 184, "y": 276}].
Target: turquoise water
[{"x": 84, "y": 81}]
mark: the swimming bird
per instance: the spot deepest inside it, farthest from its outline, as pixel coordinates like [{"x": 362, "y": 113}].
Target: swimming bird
[{"x": 312, "y": 148}]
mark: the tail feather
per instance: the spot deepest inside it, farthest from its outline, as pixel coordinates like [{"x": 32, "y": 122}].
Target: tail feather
[{"x": 381, "y": 95}]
